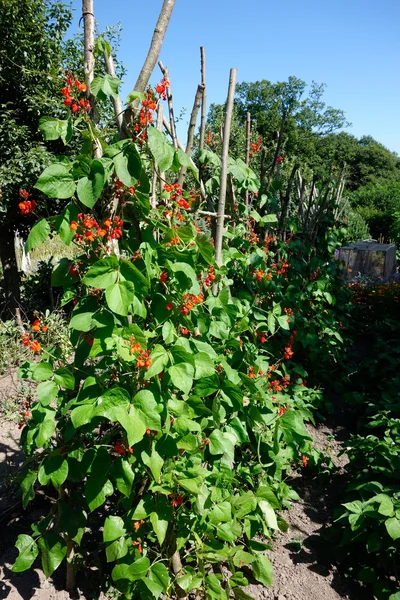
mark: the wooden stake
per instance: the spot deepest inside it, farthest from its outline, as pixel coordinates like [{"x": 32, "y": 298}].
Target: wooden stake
[
  {"x": 165, "y": 72},
  {"x": 160, "y": 176},
  {"x": 152, "y": 55},
  {"x": 192, "y": 126},
  {"x": 278, "y": 148},
  {"x": 118, "y": 109},
  {"x": 248, "y": 138},
  {"x": 247, "y": 157},
  {"x": 224, "y": 166},
  {"x": 88, "y": 65},
  {"x": 204, "y": 97}
]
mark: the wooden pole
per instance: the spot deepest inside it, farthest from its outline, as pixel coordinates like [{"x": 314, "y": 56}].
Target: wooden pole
[
  {"x": 224, "y": 166},
  {"x": 192, "y": 126},
  {"x": 204, "y": 97},
  {"x": 88, "y": 64},
  {"x": 278, "y": 148},
  {"x": 248, "y": 138},
  {"x": 118, "y": 109},
  {"x": 88, "y": 43},
  {"x": 161, "y": 176},
  {"x": 247, "y": 157},
  {"x": 152, "y": 55},
  {"x": 165, "y": 72}
]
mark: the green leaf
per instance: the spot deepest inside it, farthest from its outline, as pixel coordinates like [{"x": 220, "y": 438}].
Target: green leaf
[
  {"x": 189, "y": 281},
  {"x": 28, "y": 551},
  {"x": 271, "y": 323},
  {"x": 160, "y": 359},
  {"x": 63, "y": 223},
  {"x": 37, "y": 235},
  {"x": 89, "y": 188},
  {"x": 123, "y": 476},
  {"x": 119, "y": 297},
  {"x": 42, "y": 371},
  {"x": 229, "y": 532},
  {"x": 182, "y": 376},
  {"x": 55, "y": 469},
  {"x": 27, "y": 486},
  {"x": 393, "y": 528},
  {"x": 64, "y": 378},
  {"x": 81, "y": 415},
  {"x": 190, "y": 485},
  {"x": 204, "y": 365},
  {"x": 206, "y": 249},
  {"x": 241, "y": 557},
  {"x": 103, "y": 273},
  {"x": 45, "y": 432},
  {"x": 268, "y": 514},
  {"x": 160, "y": 527},
  {"x": 128, "y": 165},
  {"x": 219, "y": 444},
  {"x": 221, "y": 513},
  {"x": 232, "y": 374},
  {"x": 184, "y": 160},
  {"x": 160, "y": 574},
  {"x": 133, "y": 572},
  {"x": 56, "y": 182},
  {"x": 354, "y": 507},
  {"x": 146, "y": 407},
  {"x": 52, "y": 129},
  {"x": 262, "y": 570},
  {"x": 53, "y": 549},
  {"x": 113, "y": 535},
  {"x": 132, "y": 96},
  {"x": 154, "y": 462},
  {"x": 102, "y": 45},
  {"x": 244, "y": 504},
  {"x": 271, "y": 218},
  {"x": 96, "y": 491},
  {"x": 105, "y": 85},
  {"x": 160, "y": 148},
  {"x": 130, "y": 272},
  {"x": 169, "y": 332}
]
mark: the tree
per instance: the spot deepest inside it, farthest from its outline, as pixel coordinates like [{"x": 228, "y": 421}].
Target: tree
[
  {"x": 31, "y": 54},
  {"x": 289, "y": 116}
]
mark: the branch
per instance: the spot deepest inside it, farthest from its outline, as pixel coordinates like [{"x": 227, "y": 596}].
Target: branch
[
  {"x": 204, "y": 97},
  {"x": 224, "y": 166},
  {"x": 192, "y": 126},
  {"x": 165, "y": 72}
]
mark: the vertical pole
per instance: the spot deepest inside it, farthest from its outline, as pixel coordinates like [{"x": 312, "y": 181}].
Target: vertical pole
[{"x": 224, "y": 166}]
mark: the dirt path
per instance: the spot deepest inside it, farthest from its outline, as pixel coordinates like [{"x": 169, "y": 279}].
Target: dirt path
[{"x": 297, "y": 559}]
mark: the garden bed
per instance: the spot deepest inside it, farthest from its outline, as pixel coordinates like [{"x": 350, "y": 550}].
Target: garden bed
[{"x": 300, "y": 572}]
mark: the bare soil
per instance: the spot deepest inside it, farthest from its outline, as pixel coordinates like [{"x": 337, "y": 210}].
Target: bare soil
[{"x": 300, "y": 571}]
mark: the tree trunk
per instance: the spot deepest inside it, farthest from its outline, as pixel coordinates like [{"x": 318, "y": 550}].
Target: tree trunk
[{"x": 10, "y": 269}]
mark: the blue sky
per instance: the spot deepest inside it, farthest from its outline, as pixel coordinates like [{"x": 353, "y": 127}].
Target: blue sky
[{"x": 351, "y": 45}]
